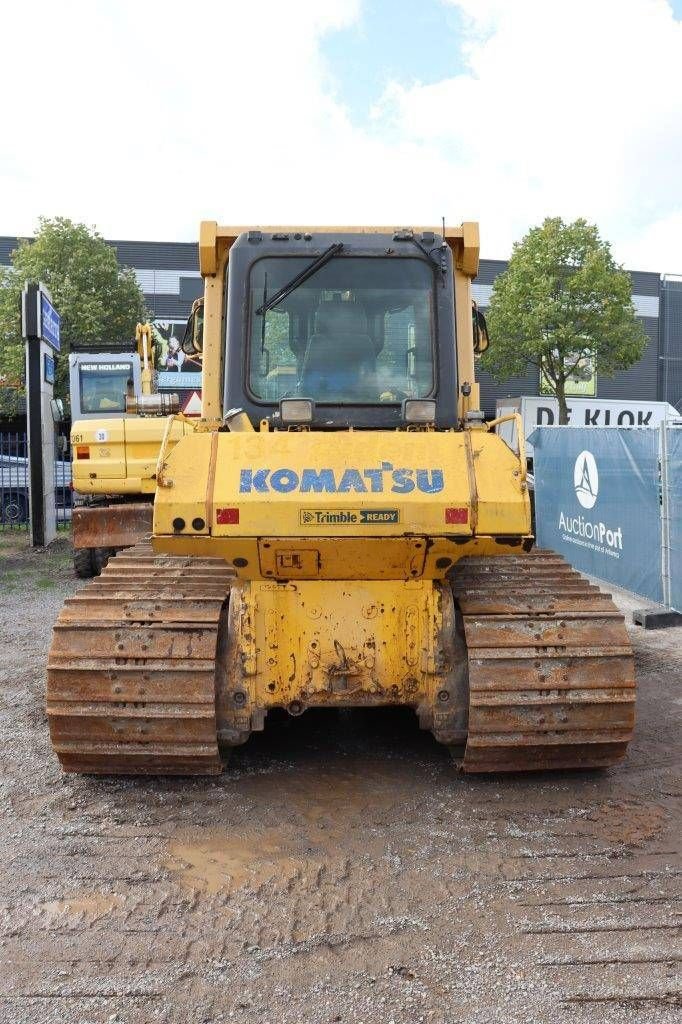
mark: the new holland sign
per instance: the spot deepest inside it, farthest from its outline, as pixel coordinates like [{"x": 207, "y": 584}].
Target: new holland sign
[{"x": 597, "y": 503}]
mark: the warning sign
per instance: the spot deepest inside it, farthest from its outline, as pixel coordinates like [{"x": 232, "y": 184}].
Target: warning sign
[{"x": 192, "y": 406}]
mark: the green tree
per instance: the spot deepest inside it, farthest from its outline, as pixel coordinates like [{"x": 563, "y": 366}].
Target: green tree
[
  {"x": 562, "y": 300},
  {"x": 96, "y": 299}
]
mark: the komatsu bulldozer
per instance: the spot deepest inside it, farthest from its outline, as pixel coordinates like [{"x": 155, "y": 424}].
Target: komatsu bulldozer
[{"x": 341, "y": 529}]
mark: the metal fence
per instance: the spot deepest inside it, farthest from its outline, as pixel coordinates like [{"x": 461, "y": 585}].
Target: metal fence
[
  {"x": 610, "y": 501},
  {"x": 15, "y": 505},
  {"x": 670, "y": 358},
  {"x": 671, "y": 515}
]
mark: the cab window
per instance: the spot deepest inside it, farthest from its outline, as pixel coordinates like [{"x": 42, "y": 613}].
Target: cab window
[
  {"x": 358, "y": 331},
  {"x": 103, "y": 388}
]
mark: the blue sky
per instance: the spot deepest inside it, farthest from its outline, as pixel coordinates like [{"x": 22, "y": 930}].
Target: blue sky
[
  {"x": 349, "y": 112},
  {"x": 393, "y": 40},
  {"x": 398, "y": 40}
]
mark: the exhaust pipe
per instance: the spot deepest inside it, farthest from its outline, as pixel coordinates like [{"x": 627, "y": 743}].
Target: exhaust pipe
[{"x": 152, "y": 405}]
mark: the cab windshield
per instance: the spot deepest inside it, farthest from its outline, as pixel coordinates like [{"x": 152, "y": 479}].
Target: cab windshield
[
  {"x": 103, "y": 388},
  {"x": 357, "y": 331}
]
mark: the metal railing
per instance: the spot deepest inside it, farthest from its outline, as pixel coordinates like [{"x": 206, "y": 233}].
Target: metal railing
[
  {"x": 15, "y": 506},
  {"x": 671, "y": 515}
]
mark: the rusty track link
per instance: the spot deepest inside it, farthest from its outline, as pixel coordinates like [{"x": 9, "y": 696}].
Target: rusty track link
[
  {"x": 551, "y": 670},
  {"x": 131, "y": 669}
]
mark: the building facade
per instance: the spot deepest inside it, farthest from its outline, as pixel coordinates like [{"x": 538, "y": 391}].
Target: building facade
[{"x": 168, "y": 273}]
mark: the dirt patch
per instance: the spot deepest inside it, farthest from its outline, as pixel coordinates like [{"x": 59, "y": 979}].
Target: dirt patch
[
  {"x": 326, "y": 811},
  {"x": 627, "y": 823},
  {"x": 220, "y": 862},
  {"x": 339, "y": 870},
  {"x": 86, "y": 905}
]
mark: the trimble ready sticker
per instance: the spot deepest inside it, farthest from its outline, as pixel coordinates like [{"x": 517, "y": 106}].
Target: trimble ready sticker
[{"x": 348, "y": 516}]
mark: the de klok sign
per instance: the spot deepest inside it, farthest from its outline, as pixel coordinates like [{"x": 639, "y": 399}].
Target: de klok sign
[{"x": 40, "y": 321}]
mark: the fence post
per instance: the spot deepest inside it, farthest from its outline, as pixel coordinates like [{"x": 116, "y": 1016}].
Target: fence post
[
  {"x": 665, "y": 516},
  {"x": 666, "y": 615}
]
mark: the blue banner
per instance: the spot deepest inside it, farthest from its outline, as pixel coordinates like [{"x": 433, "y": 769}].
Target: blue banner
[
  {"x": 674, "y": 445},
  {"x": 598, "y": 503}
]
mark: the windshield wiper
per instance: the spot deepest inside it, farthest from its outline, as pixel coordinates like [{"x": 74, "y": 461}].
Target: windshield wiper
[{"x": 304, "y": 274}]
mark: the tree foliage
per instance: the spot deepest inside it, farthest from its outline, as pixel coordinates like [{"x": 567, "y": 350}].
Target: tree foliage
[
  {"x": 561, "y": 300},
  {"x": 96, "y": 299}
]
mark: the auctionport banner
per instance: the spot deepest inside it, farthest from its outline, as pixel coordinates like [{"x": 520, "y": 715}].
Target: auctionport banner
[{"x": 597, "y": 503}]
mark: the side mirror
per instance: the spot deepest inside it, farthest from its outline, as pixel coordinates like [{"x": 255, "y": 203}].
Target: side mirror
[
  {"x": 193, "y": 338},
  {"x": 57, "y": 408},
  {"x": 480, "y": 330}
]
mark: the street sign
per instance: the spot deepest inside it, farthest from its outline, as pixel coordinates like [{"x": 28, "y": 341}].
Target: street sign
[
  {"x": 48, "y": 368},
  {"x": 40, "y": 321},
  {"x": 40, "y": 329},
  {"x": 49, "y": 322}
]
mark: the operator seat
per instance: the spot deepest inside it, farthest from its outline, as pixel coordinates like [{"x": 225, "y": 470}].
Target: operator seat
[{"x": 340, "y": 361}]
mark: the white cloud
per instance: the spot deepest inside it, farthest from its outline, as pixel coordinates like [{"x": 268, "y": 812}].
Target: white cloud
[
  {"x": 144, "y": 117},
  {"x": 570, "y": 109}
]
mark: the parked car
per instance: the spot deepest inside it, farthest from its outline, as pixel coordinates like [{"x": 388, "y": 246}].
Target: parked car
[{"x": 14, "y": 489}]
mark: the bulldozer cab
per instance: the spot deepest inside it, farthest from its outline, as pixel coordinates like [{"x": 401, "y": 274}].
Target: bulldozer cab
[{"x": 356, "y": 325}]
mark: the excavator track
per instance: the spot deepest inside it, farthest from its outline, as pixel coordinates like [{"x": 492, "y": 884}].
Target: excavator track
[
  {"x": 131, "y": 669},
  {"x": 551, "y": 670}
]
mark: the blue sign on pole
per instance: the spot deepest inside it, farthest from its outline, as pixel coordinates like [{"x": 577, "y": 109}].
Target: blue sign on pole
[
  {"x": 597, "y": 502},
  {"x": 49, "y": 322},
  {"x": 48, "y": 368}
]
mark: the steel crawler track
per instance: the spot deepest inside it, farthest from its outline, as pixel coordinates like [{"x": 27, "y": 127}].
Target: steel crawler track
[
  {"x": 551, "y": 670},
  {"x": 131, "y": 670}
]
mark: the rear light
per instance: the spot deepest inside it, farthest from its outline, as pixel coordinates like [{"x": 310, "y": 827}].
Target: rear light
[
  {"x": 227, "y": 516},
  {"x": 82, "y": 452},
  {"x": 457, "y": 515}
]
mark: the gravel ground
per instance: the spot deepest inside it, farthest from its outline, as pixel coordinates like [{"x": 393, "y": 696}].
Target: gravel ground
[{"x": 339, "y": 871}]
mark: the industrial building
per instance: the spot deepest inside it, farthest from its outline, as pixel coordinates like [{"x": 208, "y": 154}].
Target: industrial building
[{"x": 169, "y": 277}]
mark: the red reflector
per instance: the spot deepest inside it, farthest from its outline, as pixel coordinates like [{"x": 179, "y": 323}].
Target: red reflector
[
  {"x": 82, "y": 452},
  {"x": 227, "y": 516},
  {"x": 457, "y": 515}
]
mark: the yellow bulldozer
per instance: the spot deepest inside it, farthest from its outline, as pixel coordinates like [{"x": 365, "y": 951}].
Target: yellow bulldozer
[{"x": 341, "y": 528}]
